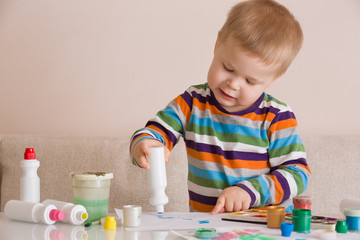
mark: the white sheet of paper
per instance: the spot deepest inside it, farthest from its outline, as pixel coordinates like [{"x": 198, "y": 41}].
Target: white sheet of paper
[
  {"x": 183, "y": 221},
  {"x": 151, "y": 221}
]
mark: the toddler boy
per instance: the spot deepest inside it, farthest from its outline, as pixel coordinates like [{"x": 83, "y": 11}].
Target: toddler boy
[{"x": 242, "y": 144}]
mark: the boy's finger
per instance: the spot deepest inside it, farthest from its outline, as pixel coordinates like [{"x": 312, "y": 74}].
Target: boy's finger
[
  {"x": 142, "y": 162},
  {"x": 218, "y": 210},
  {"x": 246, "y": 206},
  {"x": 238, "y": 205},
  {"x": 219, "y": 206},
  {"x": 146, "y": 150},
  {"x": 167, "y": 155}
]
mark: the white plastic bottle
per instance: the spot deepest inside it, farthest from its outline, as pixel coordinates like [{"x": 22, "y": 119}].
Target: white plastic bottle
[
  {"x": 349, "y": 202},
  {"x": 32, "y": 212},
  {"x": 74, "y": 214},
  {"x": 30, "y": 182},
  {"x": 157, "y": 178}
]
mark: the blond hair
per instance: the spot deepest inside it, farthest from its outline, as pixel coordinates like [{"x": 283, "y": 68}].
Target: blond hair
[{"x": 266, "y": 29}]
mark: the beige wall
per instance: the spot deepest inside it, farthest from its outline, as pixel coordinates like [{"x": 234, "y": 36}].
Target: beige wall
[{"x": 90, "y": 67}]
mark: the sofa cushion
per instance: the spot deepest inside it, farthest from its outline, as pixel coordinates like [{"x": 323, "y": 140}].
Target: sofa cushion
[
  {"x": 59, "y": 156},
  {"x": 333, "y": 160}
]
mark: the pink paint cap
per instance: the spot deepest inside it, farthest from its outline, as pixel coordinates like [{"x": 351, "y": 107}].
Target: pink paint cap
[
  {"x": 29, "y": 154},
  {"x": 56, "y": 215}
]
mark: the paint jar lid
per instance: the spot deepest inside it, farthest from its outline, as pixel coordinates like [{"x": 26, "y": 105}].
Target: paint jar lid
[
  {"x": 341, "y": 226},
  {"x": 301, "y": 212},
  {"x": 132, "y": 208},
  {"x": 110, "y": 222},
  {"x": 286, "y": 229},
  {"x": 352, "y": 212},
  {"x": 302, "y": 200},
  {"x": 205, "y": 233},
  {"x": 86, "y": 176},
  {"x": 275, "y": 210}
]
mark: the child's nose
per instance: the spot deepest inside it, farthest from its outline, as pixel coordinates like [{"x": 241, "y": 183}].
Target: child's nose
[{"x": 234, "y": 83}]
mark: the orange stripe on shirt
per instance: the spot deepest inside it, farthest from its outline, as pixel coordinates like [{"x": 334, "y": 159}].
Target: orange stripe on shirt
[
  {"x": 200, "y": 206},
  {"x": 300, "y": 165},
  {"x": 135, "y": 139},
  {"x": 279, "y": 192},
  {"x": 255, "y": 117},
  {"x": 233, "y": 164},
  {"x": 201, "y": 106},
  {"x": 252, "y": 116},
  {"x": 183, "y": 106},
  {"x": 288, "y": 123},
  {"x": 169, "y": 144}
]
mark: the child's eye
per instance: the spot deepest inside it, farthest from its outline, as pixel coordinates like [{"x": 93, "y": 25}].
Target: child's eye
[
  {"x": 227, "y": 69},
  {"x": 249, "y": 82}
]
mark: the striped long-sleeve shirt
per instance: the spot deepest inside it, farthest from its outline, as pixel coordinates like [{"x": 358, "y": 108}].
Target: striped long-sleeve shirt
[{"x": 258, "y": 149}]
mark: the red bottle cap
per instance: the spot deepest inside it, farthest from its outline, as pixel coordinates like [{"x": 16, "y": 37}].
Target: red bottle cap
[{"x": 29, "y": 154}]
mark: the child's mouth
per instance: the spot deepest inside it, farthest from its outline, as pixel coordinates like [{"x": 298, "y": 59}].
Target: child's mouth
[{"x": 226, "y": 96}]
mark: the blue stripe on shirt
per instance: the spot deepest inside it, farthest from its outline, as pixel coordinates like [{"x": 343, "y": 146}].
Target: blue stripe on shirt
[
  {"x": 286, "y": 141},
  {"x": 228, "y": 128},
  {"x": 266, "y": 192},
  {"x": 304, "y": 178},
  {"x": 215, "y": 175},
  {"x": 172, "y": 113}
]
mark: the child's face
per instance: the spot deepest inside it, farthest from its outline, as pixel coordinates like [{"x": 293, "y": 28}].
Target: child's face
[{"x": 237, "y": 78}]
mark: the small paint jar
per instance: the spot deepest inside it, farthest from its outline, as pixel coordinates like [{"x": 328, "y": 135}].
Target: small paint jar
[
  {"x": 352, "y": 219},
  {"x": 205, "y": 233},
  {"x": 341, "y": 226},
  {"x": 286, "y": 229},
  {"x": 302, "y": 220},
  {"x": 275, "y": 216},
  {"x": 302, "y": 202},
  {"x": 132, "y": 215}
]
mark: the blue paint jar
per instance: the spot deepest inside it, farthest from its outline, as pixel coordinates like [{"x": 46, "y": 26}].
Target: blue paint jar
[{"x": 352, "y": 219}]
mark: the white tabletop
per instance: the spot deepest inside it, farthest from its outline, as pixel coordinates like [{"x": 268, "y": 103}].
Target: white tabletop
[{"x": 16, "y": 230}]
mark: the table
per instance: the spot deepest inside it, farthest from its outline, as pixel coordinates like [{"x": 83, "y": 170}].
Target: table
[{"x": 16, "y": 230}]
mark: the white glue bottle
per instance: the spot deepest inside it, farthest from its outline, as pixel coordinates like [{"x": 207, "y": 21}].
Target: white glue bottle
[
  {"x": 30, "y": 182},
  {"x": 349, "y": 202},
  {"x": 74, "y": 214},
  {"x": 32, "y": 212},
  {"x": 157, "y": 179}
]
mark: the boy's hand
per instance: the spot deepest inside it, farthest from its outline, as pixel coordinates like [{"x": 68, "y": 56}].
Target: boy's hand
[
  {"x": 142, "y": 149},
  {"x": 232, "y": 199}
]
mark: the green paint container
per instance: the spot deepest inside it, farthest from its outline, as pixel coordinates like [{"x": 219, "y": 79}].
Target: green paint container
[
  {"x": 91, "y": 189},
  {"x": 302, "y": 220}
]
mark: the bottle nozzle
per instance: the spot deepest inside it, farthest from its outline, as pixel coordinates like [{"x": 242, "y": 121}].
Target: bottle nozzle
[
  {"x": 84, "y": 216},
  {"x": 56, "y": 215},
  {"x": 159, "y": 209}
]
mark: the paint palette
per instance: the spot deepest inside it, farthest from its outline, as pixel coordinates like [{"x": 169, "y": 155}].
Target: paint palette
[
  {"x": 253, "y": 215},
  {"x": 259, "y": 216},
  {"x": 320, "y": 222}
]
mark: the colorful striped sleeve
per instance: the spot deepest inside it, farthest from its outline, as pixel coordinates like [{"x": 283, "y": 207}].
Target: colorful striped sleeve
[
  {"x": 289, "y": 172},
  {"x": 168, "y": 125}
]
